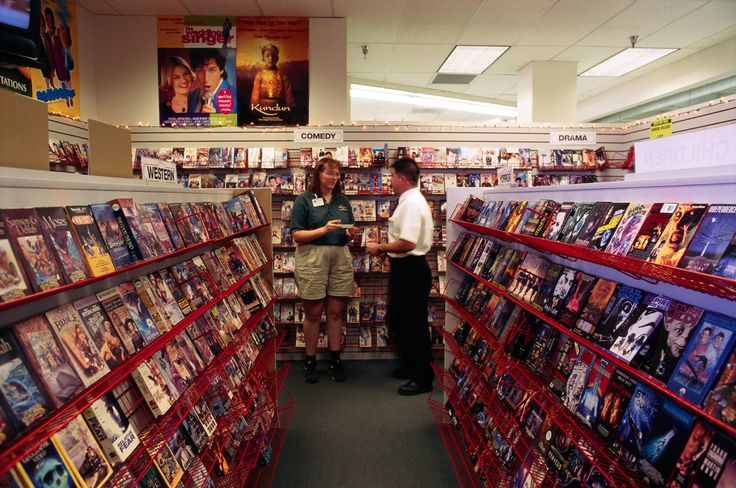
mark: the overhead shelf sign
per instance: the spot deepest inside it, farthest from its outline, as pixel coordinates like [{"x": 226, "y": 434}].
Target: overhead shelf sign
[
  {"x": 568, "y": 138},
  {"x": 318, "y": 135}
]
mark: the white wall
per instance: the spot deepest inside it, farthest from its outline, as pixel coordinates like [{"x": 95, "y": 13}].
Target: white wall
[
  {"x": 86, "y": 63},
  {"x": 328, "y": 71}
]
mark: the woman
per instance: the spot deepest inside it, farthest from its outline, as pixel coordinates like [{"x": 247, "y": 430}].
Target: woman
[
  {"x": 321, "y": 225},
  {"x": 177, "y": 76}
]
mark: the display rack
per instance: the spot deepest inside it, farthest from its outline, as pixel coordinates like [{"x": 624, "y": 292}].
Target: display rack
[
  {"x": 709, "y": 292},
  {"x": 20, "y": 188}
]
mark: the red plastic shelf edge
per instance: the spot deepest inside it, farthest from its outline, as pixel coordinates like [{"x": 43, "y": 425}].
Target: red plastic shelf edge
[
  {"x": 693, "y": 280},
  {"x": 79, "y": 284},
  {"x": 31, "y": 439},
  {"x": 639, "y": 375}
]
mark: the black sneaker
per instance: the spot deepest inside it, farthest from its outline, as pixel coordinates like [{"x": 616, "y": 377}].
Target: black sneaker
[
  {"x": 311, "y": 375},
  {"x": 337, "y": 371}
]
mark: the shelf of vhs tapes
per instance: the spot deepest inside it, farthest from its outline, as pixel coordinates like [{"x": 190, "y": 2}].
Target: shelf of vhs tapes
[
  {"x": 101, "y": 381},
  {"x": 623, "y": 377}
]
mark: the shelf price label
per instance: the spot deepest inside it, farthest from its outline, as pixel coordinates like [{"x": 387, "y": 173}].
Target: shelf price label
[
  {"x": 159, "y": 171},
  {"x": 660, "y": 128}
]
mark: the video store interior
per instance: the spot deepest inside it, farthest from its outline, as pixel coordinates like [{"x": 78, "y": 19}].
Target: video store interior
[{"x": 352, "y": 243}]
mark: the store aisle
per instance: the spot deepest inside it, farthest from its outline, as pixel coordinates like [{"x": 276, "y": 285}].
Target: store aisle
[{"x": 360, "y": 433}]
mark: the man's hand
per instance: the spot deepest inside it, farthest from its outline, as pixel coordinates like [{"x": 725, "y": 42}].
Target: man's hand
[{"x": 373, "y": 249}]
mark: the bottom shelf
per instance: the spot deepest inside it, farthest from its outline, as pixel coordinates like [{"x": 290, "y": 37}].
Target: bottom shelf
[{"x": 464, "y": 471}]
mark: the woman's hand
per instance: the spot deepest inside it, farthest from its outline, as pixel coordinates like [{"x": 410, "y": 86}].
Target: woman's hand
[{"x": 332, "y": 226}]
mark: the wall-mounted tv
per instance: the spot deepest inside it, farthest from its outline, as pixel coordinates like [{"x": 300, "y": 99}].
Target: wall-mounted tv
[{"x": 20, "y": 43}]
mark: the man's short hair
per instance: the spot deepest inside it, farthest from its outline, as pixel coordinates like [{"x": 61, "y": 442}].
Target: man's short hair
[
  {"x": 407, "y": 168},
  {"x": 200, "y": 56}
]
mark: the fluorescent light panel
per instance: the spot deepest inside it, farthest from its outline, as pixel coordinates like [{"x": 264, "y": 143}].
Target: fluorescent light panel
[
  {"x": 471, "y": 60},
  {"x": 366, "y": 92},
  {"x": 627, "y": 61}
]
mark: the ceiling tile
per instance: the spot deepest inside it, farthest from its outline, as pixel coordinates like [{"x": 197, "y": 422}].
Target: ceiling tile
[
  {"x": 435, "y": 21},
  {"x": 641, "y": 18},
  {"x": 218, "y": 7},
  {"x": 152, "y": 7},
  {"x": 418, "y": 58},
  {"x": 586, "y": 57},
  {"x": 363, "y": 77},
  {"x": 571, "y": 20},
  {"x": 511, "y": 11},
  {"x": 519, "y": 56},
  {"x": 378, "y": 58},
  {"x": 296, "y": 8},
  {"x": 374, "y": 21},
  {"x": 493, "y": 34},
  {"x": 97, "y": 7},
  {"x": 703, "y": 22},
  {"x": 717, "y": 38},
  {"x": 411, "y": 79},
  {"x": 489, "y": 85}
]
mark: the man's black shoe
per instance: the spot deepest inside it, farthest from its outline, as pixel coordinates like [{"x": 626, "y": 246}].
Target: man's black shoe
[
  {"x": 413, "y": 388},
  {"x": 400, "y": 374}
]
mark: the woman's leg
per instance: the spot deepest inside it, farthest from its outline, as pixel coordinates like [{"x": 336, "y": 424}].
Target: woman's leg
[
  {"x": 335, "y": 309},
  {"x": 312, "y": 316}
]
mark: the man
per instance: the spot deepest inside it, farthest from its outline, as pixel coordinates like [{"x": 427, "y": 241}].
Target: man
[
  {"x": 410, "y": 238},
  {"x": 217, "y": 94}
]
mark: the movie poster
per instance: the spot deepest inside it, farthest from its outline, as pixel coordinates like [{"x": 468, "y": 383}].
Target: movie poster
[
  {"x": 273, "y": 70},
  {"x": 196, "y": 71},
  {"x": 57, "y": 82}
]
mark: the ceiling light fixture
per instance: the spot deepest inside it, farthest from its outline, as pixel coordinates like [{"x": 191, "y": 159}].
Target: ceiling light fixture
[
  {"x": 471, "y": 60},
  {"x": 628, "y": 60},
  {"x": 367, "y": 92}
]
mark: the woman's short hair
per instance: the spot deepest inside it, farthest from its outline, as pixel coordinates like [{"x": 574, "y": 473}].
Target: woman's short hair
[
  {"x": 167, "y": 71},
  {"x": 319, "y": 168}
]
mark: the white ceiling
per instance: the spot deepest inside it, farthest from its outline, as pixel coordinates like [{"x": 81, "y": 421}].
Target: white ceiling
[{"x": 409, "y": 39}]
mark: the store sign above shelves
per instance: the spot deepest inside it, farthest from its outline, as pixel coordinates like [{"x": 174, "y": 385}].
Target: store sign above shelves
[
  {"x": 572, "y": 137},
  {"x": 689, "y": 151},
  {"x": 318, "y": 135},
  {"x": 158, "y": 171}
]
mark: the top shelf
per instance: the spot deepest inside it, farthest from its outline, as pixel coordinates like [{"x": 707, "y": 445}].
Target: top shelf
[
  {"x": 82, "y": 283},
  {"x": 704, "y": 283}
]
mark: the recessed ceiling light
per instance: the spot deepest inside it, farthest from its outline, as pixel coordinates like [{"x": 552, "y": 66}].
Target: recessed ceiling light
[
  {"x": 367, "y": 92},
  {"x": 471, "y": 59},
  {"x": 627, "y": 61}
]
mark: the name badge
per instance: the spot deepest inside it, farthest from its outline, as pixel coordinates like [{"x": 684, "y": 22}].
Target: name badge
[{"x": 318, "y": 202}]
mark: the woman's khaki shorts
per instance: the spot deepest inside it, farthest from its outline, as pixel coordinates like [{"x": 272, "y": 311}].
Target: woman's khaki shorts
[{"x": 322, "y": 271}]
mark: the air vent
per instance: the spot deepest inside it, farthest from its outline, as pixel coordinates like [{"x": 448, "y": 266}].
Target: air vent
[{"x": 446, "y": 79}]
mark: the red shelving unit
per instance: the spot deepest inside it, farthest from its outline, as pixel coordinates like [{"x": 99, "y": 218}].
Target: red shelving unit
[
  {"x": 35, "y": 436},
  {"x": 154, "y": 436},
  {"x": 79, "y": 284},
  {"x": 650, "y": 381},
  {"x": 704, "y": 283}
]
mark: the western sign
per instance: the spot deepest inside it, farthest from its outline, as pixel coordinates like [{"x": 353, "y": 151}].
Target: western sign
[
  {"x": 558, "y": 138},
  {"x": 158, "y": 171},
  {"x": 317, "y": 135}
]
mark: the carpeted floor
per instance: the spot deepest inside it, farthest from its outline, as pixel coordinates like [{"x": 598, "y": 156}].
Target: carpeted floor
[{"x": 360, "y": 433}]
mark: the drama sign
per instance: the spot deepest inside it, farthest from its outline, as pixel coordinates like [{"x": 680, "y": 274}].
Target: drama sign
[
  {"x": 317, "y": 135},
  {"x": 158, "y": 171},
  {"x": 566, "y": 138}
]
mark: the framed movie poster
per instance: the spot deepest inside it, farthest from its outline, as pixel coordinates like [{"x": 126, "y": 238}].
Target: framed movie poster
[
  {"x": 273, "y": 70},
  {"x": 196, "y": 71}
]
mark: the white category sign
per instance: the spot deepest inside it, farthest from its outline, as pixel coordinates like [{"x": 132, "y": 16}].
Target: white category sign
[
  {"x": 158, "y": 171},
  {"x": 567, "y": 138},
  {"x": 317, "y": 135},
  {"x": 693, "y": 150}
]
